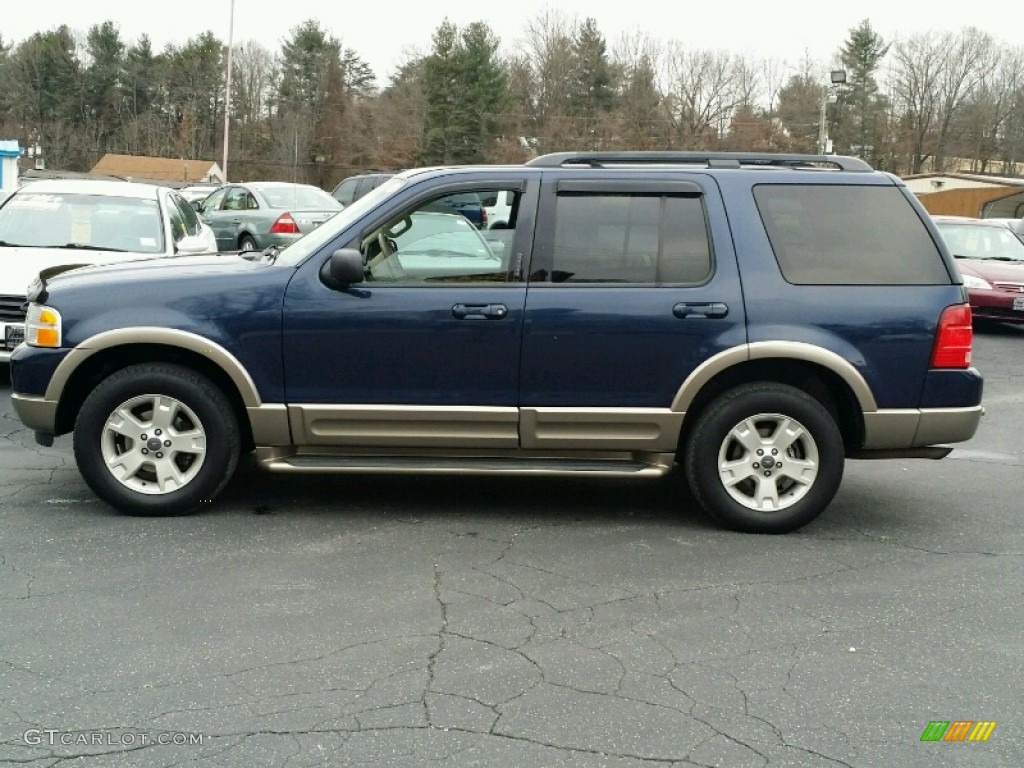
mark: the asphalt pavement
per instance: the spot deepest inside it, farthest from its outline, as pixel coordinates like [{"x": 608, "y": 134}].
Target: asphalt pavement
[{"x": 457, "y": 622}]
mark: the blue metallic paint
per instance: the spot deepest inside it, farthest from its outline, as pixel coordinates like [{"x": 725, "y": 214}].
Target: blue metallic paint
[
  {"x": 33, "y": 367},
  {"x": 231, "y": 301},
  {"x": 952, "y": 388},
  {"x": 886, "y": 332},
  {"x": 582, "y": 346}
]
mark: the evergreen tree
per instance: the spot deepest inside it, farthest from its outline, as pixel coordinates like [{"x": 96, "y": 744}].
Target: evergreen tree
[
  {"x": 859, "y": 106},
  {"x": 305, "y": 58},
  {"x": 593, "y": 84},
  {"x": 799, "y": 102},
  {"x": 103, "y": 79},
  {"x": 465, "y": 88}
]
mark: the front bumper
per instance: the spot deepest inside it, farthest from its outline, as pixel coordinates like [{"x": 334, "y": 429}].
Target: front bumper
[
  {"x": 37, "y": 413},
  {"x": 997, "y": 304}
]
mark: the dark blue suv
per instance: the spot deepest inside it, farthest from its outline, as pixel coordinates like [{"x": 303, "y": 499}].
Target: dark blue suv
[{"x": 756, "y": 319}]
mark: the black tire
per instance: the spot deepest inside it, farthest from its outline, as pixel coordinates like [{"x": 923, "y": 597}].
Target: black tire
[
  {"x": 713, "y": 440},
  {"x": 197, "y": 398},
  {"x": 247, "y": 243}
]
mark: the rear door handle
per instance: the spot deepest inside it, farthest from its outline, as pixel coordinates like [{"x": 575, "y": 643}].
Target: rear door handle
[
  {"x": 685, "y": 309},
  {"x": 479, "y": 311}
]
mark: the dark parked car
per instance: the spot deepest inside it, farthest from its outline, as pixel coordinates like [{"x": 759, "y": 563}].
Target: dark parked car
[
  {"x": 254, "y": 216},
  {"x": 990, "y": 255},
  {"x": 469, "y": 204},
  {"x": 755, "y": 319},
  {"x": 354, "y": 187}
]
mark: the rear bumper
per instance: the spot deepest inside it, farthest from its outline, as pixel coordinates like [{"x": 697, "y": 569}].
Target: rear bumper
[{"x": 911, "y": 428}]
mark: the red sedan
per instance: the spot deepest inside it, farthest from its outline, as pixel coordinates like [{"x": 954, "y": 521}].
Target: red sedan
[{"x": 990, "y": 256}]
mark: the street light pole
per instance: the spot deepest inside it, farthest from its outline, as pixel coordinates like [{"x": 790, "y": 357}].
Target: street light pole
[
  {"x": 837, "y": 78},
  {"x": 822, "y": 134},
  {"x": 227, "y": 95}
]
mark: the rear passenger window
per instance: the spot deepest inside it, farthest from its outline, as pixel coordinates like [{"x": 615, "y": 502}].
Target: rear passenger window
[
  {"x": 624, "y": 238},
  {"x": 848, "y": 235}
]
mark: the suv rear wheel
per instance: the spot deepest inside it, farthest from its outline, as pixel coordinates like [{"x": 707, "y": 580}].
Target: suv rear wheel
[
  {"x": 764, "y": 458},
  {"x": 156, "y": 439}
]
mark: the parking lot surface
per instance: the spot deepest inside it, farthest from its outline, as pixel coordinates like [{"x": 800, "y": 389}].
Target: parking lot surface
[{"x": 386, "y": 621}]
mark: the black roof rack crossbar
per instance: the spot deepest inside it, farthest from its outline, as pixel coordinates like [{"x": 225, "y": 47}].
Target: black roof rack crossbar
[{"x": 708, "y": 159}]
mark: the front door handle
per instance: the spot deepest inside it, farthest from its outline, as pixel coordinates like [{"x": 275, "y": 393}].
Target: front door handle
[
  {"x": 479, "y": 311},
  {"x": 685, "y": 309}
]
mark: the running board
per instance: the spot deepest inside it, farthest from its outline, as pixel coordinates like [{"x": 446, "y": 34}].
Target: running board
[{"x": 660, "y": 465}]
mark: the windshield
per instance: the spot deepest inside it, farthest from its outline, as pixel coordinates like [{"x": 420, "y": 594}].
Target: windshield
[
  {"x": 319, "y": 237},
  {"x": 299, "y": 197},
  {"x": 100, "y": 222},
  {"x": 982, "y": 242}
]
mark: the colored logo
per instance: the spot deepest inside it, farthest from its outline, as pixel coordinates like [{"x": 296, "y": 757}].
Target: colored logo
[{"x": 958, "y": 730}]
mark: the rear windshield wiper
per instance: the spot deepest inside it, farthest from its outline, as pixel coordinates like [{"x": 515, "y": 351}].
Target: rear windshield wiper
[{"x": 5, "y": 244}]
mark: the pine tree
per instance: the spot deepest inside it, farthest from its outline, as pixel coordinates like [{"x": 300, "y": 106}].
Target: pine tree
[{"x": 859, "y": 106}]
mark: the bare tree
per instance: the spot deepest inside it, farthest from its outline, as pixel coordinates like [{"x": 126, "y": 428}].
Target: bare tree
[
  {"x": 702, "y": 90},
  {"x": 963, "y": 67},
  {"x": 640, "y": 124},
  {"x": 548, "y": 44},
  {"x": 917, "y": 73}
]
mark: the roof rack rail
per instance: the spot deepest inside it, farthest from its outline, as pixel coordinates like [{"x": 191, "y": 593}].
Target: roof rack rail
[{"x": 708, "y": 159}]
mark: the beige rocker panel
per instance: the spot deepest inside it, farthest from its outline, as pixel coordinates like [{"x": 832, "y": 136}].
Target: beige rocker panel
[
  {"x": 608, "y": 429},
  {"x": 405, "y": 426}
]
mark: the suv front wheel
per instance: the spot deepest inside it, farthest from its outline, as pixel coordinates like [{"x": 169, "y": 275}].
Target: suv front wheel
[
  {"x": 764, "y": 458},
  {"x": 156, "y": 439}
]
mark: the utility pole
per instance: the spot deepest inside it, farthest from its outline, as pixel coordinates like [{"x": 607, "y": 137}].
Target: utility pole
[{"x": 227, "y": 95}]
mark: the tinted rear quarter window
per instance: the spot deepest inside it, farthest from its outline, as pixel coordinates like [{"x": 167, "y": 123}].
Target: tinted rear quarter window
[{"x": 848, "y": 235}]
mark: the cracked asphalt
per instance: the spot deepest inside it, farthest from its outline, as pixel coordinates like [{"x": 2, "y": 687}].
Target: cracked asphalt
[{"x": 489, "y": 622}]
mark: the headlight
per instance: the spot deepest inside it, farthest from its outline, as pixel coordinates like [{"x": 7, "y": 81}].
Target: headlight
[
  {"x": 42, "y": 326},
  {"x": 976, "y": 282}
]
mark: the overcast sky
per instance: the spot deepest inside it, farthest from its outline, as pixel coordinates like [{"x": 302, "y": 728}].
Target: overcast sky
[{"x": 384, "y": 32}]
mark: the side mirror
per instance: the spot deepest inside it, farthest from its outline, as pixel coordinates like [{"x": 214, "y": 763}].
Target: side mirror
[
  {"x": 191, "y": 245},
  {"x": 346, "y": 267},
  {"x": 198, "y": 206}
]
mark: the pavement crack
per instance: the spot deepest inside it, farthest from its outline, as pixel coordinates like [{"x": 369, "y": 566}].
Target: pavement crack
[{"x": 442, "y": 634}]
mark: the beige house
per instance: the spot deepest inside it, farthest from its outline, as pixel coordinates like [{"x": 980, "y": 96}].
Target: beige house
[
  {"x": 965, "y": 194},
  {"x": 166, "y": 169}
]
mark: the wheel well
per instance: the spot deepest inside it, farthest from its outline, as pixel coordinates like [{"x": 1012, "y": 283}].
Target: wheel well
[
  {"x": 825, "y": 386},
  {"x": 243, "y": 235},
  {"x": 105, "y": 362}
]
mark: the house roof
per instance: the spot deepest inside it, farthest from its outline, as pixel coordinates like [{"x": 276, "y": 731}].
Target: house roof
[
  {"x": 1003, "y": 181},
  {"x": 157, "y": 168}
]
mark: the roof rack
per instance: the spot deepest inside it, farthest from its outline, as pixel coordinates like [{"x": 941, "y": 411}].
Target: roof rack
[{"x": 707, "y": 159}]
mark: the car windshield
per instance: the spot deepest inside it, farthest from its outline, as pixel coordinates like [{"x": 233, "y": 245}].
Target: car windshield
[
  {"x": 322, "y": 235},
  {"x": 73, "y": 220},
  {"x": 975, "y": 241},
  {"x": 299, "y": 196}
]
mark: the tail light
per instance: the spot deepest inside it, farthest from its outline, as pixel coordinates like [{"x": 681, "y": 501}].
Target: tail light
[
  {"x": 954, "y": 338},
  {"x": 285, "y": 225},
  {"x": 483, "y": 218}
]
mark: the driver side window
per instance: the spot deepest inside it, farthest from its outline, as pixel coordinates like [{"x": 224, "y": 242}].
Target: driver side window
[
  {"x": 212, "y": 203},
  {"x": 443, "y": 240}
]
